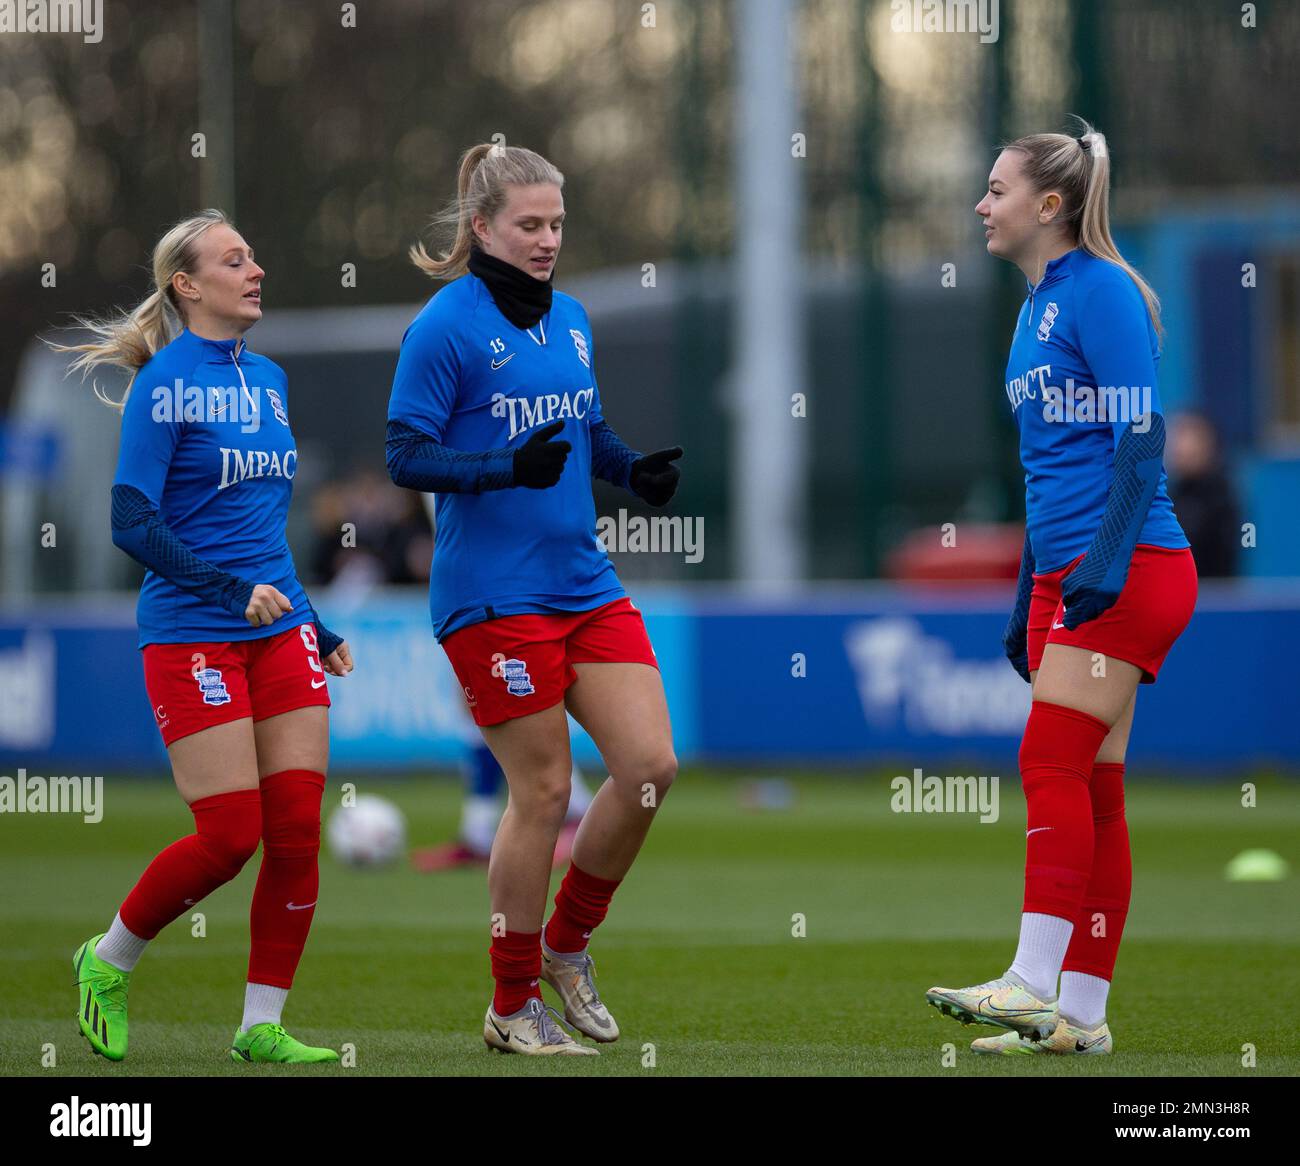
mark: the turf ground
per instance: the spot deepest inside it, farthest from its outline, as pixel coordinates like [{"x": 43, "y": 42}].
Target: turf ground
[{"x": 698, "y": 957}]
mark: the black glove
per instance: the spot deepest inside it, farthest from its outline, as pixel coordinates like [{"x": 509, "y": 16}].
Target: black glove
[
  {"x": 539, "y": 462},
  {"x": 653, "y": 477}
]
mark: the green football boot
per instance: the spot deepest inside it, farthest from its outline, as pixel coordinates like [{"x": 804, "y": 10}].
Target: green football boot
[
  {"x": 101, "y": 1001},
  {"x": 269, "y": 1044}
]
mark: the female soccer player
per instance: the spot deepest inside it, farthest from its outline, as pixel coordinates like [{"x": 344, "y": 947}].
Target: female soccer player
[
  {"x": 1107, "y": 582},
  {"x": 232, "y": 648},
  {"x": 524, "y": 599}
]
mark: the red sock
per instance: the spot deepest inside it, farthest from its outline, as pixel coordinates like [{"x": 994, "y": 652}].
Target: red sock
[
  {"x": 1056, "y": 756},
  {"x": 1094, "y": 944},
  {"x": 516, "y": 967},
  {"x": 228, "y": 827},
  {"x": 581, "y": 904},
  {"x": 285, "y": 898}
]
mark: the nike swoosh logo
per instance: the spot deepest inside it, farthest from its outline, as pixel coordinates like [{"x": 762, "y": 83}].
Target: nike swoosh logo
[
  {"x": 505, "y": 1036},
  {"x": 1057, "y": 626},
  {"x": 318, "y": 684},
  {"x": 291, "y": 906},
  {"x": 1080, "y": 1047},
  {"x": 984, "y": 1004},
  {"x": 496, "y": 364},
  {"x": 1036, "y": 829}
]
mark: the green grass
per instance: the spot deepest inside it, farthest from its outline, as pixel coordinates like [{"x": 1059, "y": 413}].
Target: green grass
[{"x": 697, "y": 957}]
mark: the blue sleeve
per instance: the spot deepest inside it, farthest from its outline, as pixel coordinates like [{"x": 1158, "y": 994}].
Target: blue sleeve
[
  {"x": 611, "y": 459},
  {"x": 150, "y": 434},
  {"x": 427, "y": 380},
  {"x": 327, "y": 642},
  {"x": 1114, "y": 336},
  {"x": 418, "y": 462},
  {"x": 142, "y": 534},
  {"x": 1115, "y": 340},
  {"x": 425, "y": 388},
  {"x": 1024, "y": 583}
]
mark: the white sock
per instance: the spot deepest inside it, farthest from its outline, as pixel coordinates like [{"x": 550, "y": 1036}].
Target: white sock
[
  {"x": 478, "y": 823},
  {"x": 1083, "y": 998},
  {"x": 1043, "y": 940},
  {"x": 120, "y": 947},
  {"x": 263, "y": 1004},
  {"x": 579, "y": 795}
]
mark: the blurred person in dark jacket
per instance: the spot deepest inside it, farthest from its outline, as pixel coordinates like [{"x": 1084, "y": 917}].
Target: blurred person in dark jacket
[{"x": 1203, "y": 495}]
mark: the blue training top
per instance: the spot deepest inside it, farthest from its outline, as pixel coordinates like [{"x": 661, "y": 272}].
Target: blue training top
[
  {"x": 470, "y": 388},
  {"x": 206, "y": 443},
  {"x": 1082, "y": 372}
]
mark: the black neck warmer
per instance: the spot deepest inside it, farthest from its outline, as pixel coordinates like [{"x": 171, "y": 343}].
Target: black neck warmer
[{"x": 522, "y": 299}]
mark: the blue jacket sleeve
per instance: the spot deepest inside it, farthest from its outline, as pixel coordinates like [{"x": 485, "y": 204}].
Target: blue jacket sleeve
[
  {"x": 142, "y": 534},
  {"x": 327, "y": 642},
  {"x": 418, "y": 462},
  {"x": 150, "y": 435},
  {"x": 611, "y": 459},
  {"x": 425, "y": 388},
  {"x": 1115, "y": 334}
]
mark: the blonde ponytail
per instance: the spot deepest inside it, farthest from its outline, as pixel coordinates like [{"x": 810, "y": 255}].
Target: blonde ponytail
[
  {"x": 486, "y": 170},
  {"x": 130, "y": 339},
  {"x": 1079, "y": 168}
]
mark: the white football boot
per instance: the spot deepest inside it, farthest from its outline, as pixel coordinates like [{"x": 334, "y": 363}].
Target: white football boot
[
  {"x": 1004, "y": 1003},
  {"x": 571, "y": 977},
  {"x": 531, "y": 1031}
]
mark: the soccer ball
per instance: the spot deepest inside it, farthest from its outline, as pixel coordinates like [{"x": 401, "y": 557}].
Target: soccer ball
[{"x": 370, "y": 833}]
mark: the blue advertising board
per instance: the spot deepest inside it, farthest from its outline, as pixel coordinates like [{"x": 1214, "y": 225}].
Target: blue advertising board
[{"x": 852, "y": 676}]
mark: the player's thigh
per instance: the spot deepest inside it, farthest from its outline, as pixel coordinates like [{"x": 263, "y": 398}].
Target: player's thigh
[
  {"x": 624, "y": 709},
  {"x": 215, "y": 761},
  {"x": 1076, "y": 678},
  {"x": 1115, "y": 746},
  {"x": 299, "y": 739},
  {"x": 533, "y": 752}
]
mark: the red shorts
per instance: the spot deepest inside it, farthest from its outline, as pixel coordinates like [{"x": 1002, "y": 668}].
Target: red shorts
[
  {"x": 1150, "y": 614},
  {"x": 195, "y": 686},
  {"x": 520, "y": 664}
]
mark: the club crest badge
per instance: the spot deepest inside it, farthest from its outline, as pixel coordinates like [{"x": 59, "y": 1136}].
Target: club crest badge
[
  {"x": 277, "y": 406},
  {"x": 518, "y": 682},
  {"x": 580, "y": 343},
  {"x": 1045, "y": 324},
  {"x": 212, "y": 686}
]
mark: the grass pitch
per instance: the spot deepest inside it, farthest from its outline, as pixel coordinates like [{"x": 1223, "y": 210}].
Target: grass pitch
[{"x": 699, "y": 960}]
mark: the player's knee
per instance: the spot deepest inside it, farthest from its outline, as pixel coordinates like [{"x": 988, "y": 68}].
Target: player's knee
[
  {"x": 655, "y": 772},
  {"x": 545, "y": 797},
  {"x": 296, "y": 833},
  {"x": 228, "y": 848},
  {"x": 291, "y": 814}
]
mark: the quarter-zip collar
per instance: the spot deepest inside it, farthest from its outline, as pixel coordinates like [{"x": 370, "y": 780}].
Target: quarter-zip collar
[
  {"x": 1056, "y": 269},
  {"x": 220, "y": 349}
]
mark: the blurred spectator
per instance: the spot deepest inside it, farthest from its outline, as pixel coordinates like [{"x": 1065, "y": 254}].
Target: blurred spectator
[
  {"x": 370, "y": 532},
  {"x": 1204, "y": 498}
]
